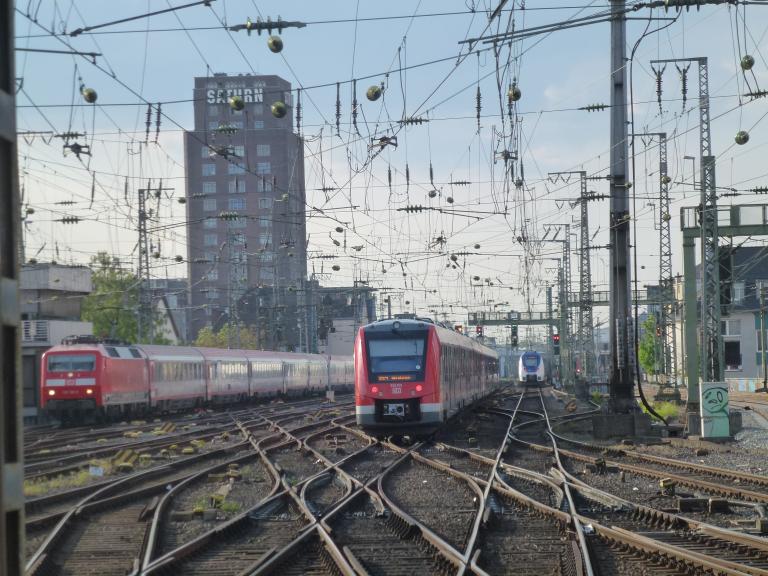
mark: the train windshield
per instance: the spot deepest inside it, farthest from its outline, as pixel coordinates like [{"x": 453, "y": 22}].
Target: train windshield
[
  {"x": 396, "y": 355},
  {"x": 71, "y": 362},
  {"x": 531, "y": 361}
]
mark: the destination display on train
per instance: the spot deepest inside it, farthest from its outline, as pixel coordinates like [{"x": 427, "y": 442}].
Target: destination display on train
[{"x": 394, "y": 378}]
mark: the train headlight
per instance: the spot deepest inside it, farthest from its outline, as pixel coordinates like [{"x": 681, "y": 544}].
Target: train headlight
[
  {"x": 374, "y": 389},
  {"x": 51, "y": 392},
  {"x": 88, "y": 391},
  {"x": 419, "y": 387}
]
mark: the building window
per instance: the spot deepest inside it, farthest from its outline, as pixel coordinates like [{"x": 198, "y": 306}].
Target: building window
[
  {"x": 237, "y": 203},
  {"x": 212, "y": 275},
  {"x": 738, "y": 292},
  {"x": 263, "y": 168},
  {"x": 213, "y": 294},
  {"x": 239, "y": 151},
  {"x": 209, "y": 223},
  {"x": 236, "y": 168},
  {"x": 731, "y": 327},
  {"x": 209, "y": 188},
  {"x": 265, "y": 222},
  {"x": 262, "y": 150},
  {"x": 237, "y": 112},
  {"x": 209, "y": 204},
  {"x": 258, "y": 124},
  {"x": 237, "y": 186},
  {"x": 206, "y": 152},
  {"x": 238, "y": 239},
  {"x": 257, "y": 110},
  {"x": 236, "y": 124},
  {"x": 213, "y": 125},
  {"x": 210, "y": 257},
  {"x": 267, "y": 256},
  {"x": 241, "y": 222},
  {"x": 265, "y": 203},
  {"x": 266, "y": 274},
  {"x": 732, "y": 355},
  {"x": 264, "y": 184},
  {"x": 265, "y": 239},
  {"x": 209, "y": 169},
  {"x": 211, "y": 240}
]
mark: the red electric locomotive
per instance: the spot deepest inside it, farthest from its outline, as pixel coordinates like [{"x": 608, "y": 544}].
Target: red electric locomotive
[
  {"x": 411, "y": 375},
  {"x": 83, "y": 376}
]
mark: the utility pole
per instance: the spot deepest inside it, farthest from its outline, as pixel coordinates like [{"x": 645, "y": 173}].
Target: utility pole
[
  {"x": 564, "y": 280},
  {"x": 144, "y": 317},
  {"x": 761, "y": 287},
  {"x": 145, "y": 324},
  {"x": 12, "y": 454},
  {"x": 621, "y": 381},
  {"x": 585, "y": 328},
  {"x": 666, "y": 280},
  {"x": 710, "y": 363}
]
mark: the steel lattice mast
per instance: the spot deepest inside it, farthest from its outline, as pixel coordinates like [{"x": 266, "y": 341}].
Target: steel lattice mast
[{"x": 710, "y": 339}]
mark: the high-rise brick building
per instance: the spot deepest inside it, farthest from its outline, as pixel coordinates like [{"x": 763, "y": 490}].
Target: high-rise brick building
[{"x": 245, "y": 195}]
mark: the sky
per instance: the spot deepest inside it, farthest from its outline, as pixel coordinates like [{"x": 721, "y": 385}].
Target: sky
[{"x": 496, "y": 218}]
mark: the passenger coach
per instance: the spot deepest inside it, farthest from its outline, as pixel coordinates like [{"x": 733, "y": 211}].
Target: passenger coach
[{"x": 411, "y": 375}]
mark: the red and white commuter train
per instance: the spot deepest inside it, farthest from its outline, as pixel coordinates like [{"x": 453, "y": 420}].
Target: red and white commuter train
[
  {"x": 112, "y": 380},
  {"x": 411, "y": 375}
]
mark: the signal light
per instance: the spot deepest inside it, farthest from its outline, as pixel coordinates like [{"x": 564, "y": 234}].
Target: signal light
[
  {"x": 556, "y": 344},
  {"x": 419, "y": 388},
  {"x": 374, "y": 389},
  {"x": 479, "y": 330}
]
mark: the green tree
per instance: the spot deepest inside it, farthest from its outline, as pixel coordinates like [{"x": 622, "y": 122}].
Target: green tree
[
  {"x": 113, "y": 304},
  {"x": 208, "y": 338},
  {"x": 648, "y": 346}
]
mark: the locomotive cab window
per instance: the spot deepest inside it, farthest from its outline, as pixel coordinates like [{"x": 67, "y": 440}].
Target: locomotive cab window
[
  {"x": 71, "y": 362},
  {"x": 402, "y": 355}
]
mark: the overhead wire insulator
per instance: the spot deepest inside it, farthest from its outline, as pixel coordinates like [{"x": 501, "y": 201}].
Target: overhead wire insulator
[
  {"x": 478, "y": 106},
  {"x": 684, "y": 81},
  {"x": 354, "y": 106},
  {"x": 389, "y": 178},
  {"x": 594, "y": 107},
  {"x": 158, "y": 115},
  {"x": 412, "y": 120},
  {"x": 298, "y": 111},
  {"x": 659, "y": 73},
  {"x": 407, "y": 177},
  {"x": 338, "y": 108},
  {"x": 148, "y": 123},
  {"x": 759, "y": 190},
  {"x": 431, "y": 175},
  {"x": 69, "y": 220}
]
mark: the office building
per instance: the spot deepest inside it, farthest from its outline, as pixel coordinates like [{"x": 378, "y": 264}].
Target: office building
[{"x": 245, "y": 196}]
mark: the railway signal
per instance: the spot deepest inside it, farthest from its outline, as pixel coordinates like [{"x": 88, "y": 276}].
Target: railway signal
[{"x": 556, "y": 344}]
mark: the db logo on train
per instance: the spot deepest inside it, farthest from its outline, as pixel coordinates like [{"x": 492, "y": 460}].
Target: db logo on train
[{"x": 69, "y": 382}]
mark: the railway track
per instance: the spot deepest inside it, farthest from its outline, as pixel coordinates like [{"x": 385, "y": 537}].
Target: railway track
[
  {"x": 665, "y": 541},
  {"x": 328, "y": 499}
]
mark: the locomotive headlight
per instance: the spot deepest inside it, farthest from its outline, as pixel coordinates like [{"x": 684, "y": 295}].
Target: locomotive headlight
[
  {"x": 51, "y": 392},
  {"x": 419, "y": 387},
  {"x": 88, "y": 391},
  {"x": 374, "y": 389}
]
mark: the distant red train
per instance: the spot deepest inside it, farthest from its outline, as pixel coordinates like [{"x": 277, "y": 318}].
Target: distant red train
[
  {"x": 113, "y": 380},
  {"x": 411, "y": 375}
]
